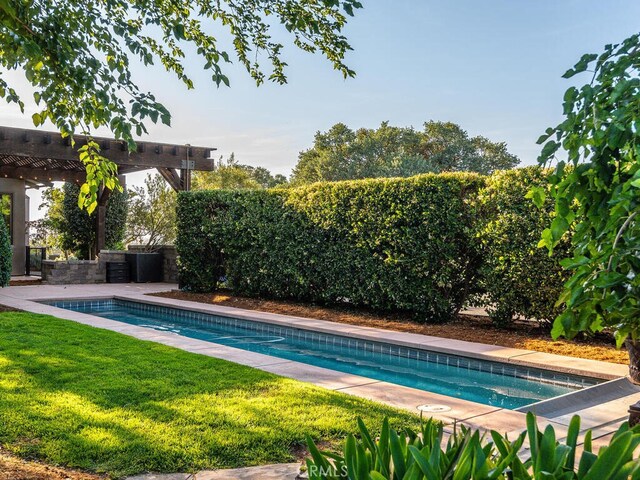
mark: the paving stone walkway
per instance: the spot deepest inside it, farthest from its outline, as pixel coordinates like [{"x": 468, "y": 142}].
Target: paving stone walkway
[{"x": 281, "y": 471}]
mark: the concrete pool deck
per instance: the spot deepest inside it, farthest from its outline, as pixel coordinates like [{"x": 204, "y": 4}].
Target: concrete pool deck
[{"x": 603, "y": 418}]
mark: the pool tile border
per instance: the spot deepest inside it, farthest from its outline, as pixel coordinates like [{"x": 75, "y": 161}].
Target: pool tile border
[
  {"x": 371, "y": 347},
  {"x": 521, "y": 357}
]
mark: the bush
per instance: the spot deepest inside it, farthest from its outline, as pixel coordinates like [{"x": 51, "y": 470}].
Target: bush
[
  {"x": 5, "y": 255},
  {"x": 517, "y": 277},
  {"x": 469, "y": 455},
  {"x": 426, "y": 244},
  {"x": 385, "y": 244}
]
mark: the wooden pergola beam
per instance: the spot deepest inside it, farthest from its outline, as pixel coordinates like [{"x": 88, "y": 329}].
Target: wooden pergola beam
[
  {"x": 172, "y": 178},
  {"x": 42, "y": 175},
  {"x": 35, "y": 143}
]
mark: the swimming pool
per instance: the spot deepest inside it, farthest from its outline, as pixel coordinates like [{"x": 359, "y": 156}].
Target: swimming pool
[{"x": 491, "y": 383}]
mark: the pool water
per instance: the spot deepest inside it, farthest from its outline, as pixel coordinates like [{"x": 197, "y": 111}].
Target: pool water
[{"x": 486, "y": 382}]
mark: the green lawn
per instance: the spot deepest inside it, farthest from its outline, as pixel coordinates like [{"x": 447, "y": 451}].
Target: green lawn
[{"x": 98, "y": 400}]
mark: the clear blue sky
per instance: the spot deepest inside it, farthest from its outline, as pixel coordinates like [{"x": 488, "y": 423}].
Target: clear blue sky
[{"x": 492, "y": 66}]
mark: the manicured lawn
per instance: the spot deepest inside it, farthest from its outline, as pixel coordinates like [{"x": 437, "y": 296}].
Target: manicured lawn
[{"x": 101, "y": 401}]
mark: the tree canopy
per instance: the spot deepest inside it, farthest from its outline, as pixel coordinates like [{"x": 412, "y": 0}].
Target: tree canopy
[
  {"x": 77, "y": 56},
  {"x": 596, "y": 189},
  {"x": 388, "y": 151},
  {"x": 229, "y": 174},
  {"x": 151, "y": 219}
]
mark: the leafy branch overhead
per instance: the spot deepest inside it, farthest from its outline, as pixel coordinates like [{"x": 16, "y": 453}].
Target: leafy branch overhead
[
  {"x": 596, "y": 190},
  {"x": 77, "y": 55}
]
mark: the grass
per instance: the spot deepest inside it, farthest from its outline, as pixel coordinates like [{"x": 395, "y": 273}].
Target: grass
[{"x": 101, "y": 401}]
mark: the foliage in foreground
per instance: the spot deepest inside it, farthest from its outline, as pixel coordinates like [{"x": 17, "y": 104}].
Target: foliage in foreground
[
  {"x": 5, "y": 254},
  {"x": 426, "y": 244},
  {"x": 600, "y": 195},
  {"x": 98, "y": 400},
  {"x": 467, "y": 455}
]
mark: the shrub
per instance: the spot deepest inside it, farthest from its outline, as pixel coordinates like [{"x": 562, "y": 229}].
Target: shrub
[
  {"x": 469, "y": 455},
  {"x": 426, "y": 244},
  {"x": 517, "y": 277},
  {"x": 5, "y": 255},
  {"x": 385, "y": 244}
]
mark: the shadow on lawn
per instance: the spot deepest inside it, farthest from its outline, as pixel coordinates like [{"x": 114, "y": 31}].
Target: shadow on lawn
[{"x": 104, "y": 402}]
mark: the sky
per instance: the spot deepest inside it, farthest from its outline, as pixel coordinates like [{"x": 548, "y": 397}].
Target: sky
[{"x": 492, "y": 66}]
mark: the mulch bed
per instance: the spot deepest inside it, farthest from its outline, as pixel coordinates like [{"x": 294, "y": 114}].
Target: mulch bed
[{"x": 465, "y": 327}]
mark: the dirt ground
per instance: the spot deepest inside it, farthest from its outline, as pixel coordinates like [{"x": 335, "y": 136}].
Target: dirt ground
[
  {"x": 466, "y": 327},
  {"x": 14, "y": 468}
]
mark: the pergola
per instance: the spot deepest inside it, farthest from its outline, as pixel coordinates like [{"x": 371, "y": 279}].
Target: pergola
[{"x": 39, "y": 158}]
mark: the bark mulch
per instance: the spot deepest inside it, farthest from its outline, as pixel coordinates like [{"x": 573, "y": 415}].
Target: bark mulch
[{"x": 465, "y": 327}]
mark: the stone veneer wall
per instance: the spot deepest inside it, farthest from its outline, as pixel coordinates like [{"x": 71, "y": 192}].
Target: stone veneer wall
[
  {"x": 73, "y": 272},
  {"x": 95, "y": 271}
]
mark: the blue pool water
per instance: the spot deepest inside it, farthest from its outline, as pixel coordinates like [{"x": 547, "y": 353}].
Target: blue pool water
[{"x": 486, "y": 382}]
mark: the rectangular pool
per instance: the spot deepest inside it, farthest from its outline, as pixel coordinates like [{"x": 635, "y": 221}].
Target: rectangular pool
[{"x": 491, "y": 383}]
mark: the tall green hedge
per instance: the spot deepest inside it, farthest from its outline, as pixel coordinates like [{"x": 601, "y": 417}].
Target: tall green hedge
[
  {"x": 516, "y": 277},
  {"x": 427, "y": 244},
  {"x": 385, "y": 244},
  {"x": 5, "y": 254}
]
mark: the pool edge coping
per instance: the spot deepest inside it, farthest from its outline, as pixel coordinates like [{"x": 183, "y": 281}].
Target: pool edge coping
[{"x": 494, "y": 353}]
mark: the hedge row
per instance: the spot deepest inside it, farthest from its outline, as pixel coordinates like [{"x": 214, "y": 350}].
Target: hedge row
[
  {"x": 427, "y": 244},
  {"x": 516, "y": 277}
]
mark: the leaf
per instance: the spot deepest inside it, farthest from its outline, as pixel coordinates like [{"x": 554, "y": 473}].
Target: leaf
[
  {"x": 559, "y": 226},
  {"x": 538, "y": 195},
  {"x": 610, "y": 459},
  {"x": 609, "y": 279},
  {"x": 423, "y": 464}
]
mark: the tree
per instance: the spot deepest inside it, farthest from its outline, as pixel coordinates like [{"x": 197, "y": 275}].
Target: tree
[
  {"x": 151, "y": 220},
  {"x": 596, "y": 189},
  {"x": 47, "y": 230},
  {"x": 229, "y": 174},
  {"x": 75, "y": 228},
  {"x": 342, "y": 154},
  {"x": 77, "y": 56},
  {"x": 450, "y": 149},
  {"x": 263, "y": 176}
]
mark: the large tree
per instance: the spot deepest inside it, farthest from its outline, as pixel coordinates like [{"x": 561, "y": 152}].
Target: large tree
[
  {"x": 77, "y": 57},
  {"x": 344, "y": 154}
]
